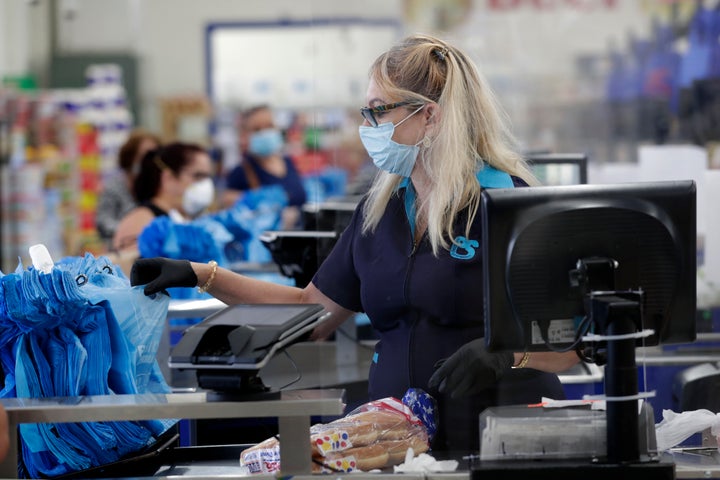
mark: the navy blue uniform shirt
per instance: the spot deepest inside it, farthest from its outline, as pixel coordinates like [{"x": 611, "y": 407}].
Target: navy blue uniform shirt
[{"x": 424, "y": 308}]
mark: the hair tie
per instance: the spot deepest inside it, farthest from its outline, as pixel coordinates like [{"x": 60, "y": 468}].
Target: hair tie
[
  {"x": 159, "y": 163},
  {"x": 441, "y": 53}
]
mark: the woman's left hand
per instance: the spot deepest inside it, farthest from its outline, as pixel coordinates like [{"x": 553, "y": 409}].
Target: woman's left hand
[{"x": 470, "y": 370}]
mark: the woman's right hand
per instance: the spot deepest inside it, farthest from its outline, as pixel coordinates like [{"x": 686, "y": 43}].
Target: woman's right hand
[{"x": 158, "y": 274}]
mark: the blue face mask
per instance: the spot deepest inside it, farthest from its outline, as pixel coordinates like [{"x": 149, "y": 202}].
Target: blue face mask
[
  {"x": 265, "y": 142},
  {"x": 387, "y": 154}
]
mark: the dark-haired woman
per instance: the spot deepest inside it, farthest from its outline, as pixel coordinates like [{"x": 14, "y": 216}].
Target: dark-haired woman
[{"x": 175, "y": 180}]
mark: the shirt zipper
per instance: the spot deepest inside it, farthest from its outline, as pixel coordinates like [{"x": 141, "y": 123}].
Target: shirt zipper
[
  {"x": 406, "y": 292},
  {"x": 411, "y": 262},
  {"x": 411, "y": 340}
]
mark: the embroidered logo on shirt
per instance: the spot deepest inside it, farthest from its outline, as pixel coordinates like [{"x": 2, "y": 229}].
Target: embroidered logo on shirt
[{"x": 463, "y": 244}]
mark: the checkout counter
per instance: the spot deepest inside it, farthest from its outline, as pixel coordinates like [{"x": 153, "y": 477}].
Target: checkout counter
[
  {"x": 343, "y": 365},
  {"x": 334, "y": 378}
]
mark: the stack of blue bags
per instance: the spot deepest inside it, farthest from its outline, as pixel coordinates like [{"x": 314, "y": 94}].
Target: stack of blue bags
[{"x": 79, "y": 329}]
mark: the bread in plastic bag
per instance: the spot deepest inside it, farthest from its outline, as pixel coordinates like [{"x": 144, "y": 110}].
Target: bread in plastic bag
[{"x": 375, "y": 435}]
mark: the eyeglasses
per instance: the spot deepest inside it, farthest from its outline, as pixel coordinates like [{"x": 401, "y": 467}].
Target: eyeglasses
[{"x": 369, "y": 113}]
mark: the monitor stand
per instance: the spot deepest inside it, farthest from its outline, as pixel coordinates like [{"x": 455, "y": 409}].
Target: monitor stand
[{"x": 613, "y": 314}]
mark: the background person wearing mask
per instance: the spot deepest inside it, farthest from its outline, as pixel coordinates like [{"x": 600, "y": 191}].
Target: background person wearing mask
[
  {"x": 408, "y": 258},
  {"x": 116, "y": 198},
  {"x": 264, "y": 163},
  {"x": 174, "y": 180}
]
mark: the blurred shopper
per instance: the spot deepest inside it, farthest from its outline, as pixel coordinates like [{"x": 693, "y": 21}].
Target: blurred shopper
[
  {"x": 174, "y": 180},
  {"x": 264, "y": 163},
  {"x": 116, "y": 198}
]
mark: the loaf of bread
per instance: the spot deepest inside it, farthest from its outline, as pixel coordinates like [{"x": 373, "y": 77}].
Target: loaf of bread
[
  {"x": 358, "y": 430},
  {"x": 263, "y": 457},
  {"x": 376, "y": 435},
  {"x": 397, "y": 449},
  {"x": 369, "y": 457}
]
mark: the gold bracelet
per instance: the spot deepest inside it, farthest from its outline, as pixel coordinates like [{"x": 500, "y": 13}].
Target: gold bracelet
[
  {"x": 213, "y": 264},
  {"x": 523, "y": 361}
]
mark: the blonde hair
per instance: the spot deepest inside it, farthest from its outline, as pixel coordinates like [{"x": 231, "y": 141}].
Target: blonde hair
[{"x": 471, "y": 131}]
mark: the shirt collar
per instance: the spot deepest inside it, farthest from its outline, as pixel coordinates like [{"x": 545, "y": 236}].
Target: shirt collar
[
  {"x": 491, "y": 177},
  {"x": 487, "y": 176}
]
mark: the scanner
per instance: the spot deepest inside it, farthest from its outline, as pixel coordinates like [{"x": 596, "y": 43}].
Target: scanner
[{"x": 229, "y": 347}]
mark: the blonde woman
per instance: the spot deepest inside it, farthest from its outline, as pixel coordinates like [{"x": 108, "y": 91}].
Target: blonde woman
[{"x": 410, "y": 256}]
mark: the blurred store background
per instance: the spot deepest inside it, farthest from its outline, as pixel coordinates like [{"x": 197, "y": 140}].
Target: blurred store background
[{"x": 615, "y": 80}]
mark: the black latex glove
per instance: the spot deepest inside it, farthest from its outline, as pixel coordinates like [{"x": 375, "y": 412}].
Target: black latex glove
[
  {"x": 470, "y": 370},
  {"x": 160, "y": 273}
]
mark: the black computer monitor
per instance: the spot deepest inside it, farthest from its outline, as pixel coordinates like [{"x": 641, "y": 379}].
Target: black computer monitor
[
  {"x": 559, "y": 168},
  {"x": 613, "y": 260},
  {"x": 534, "y": 237}
]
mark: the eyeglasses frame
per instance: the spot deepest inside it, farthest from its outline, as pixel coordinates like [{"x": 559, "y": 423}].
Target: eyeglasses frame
[{"x": 368, "y": 113}]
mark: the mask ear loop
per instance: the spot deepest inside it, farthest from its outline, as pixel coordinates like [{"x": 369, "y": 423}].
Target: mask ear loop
[{"x": 413, "y": 113}]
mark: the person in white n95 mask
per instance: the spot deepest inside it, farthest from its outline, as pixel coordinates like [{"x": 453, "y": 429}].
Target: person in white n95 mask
[{"x": 176, "y": 180}]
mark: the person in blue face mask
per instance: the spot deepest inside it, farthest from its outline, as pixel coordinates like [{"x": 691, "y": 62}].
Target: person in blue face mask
[
  {"x": 264, "y": 163},
  {"x": 410, "y": 257}
]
